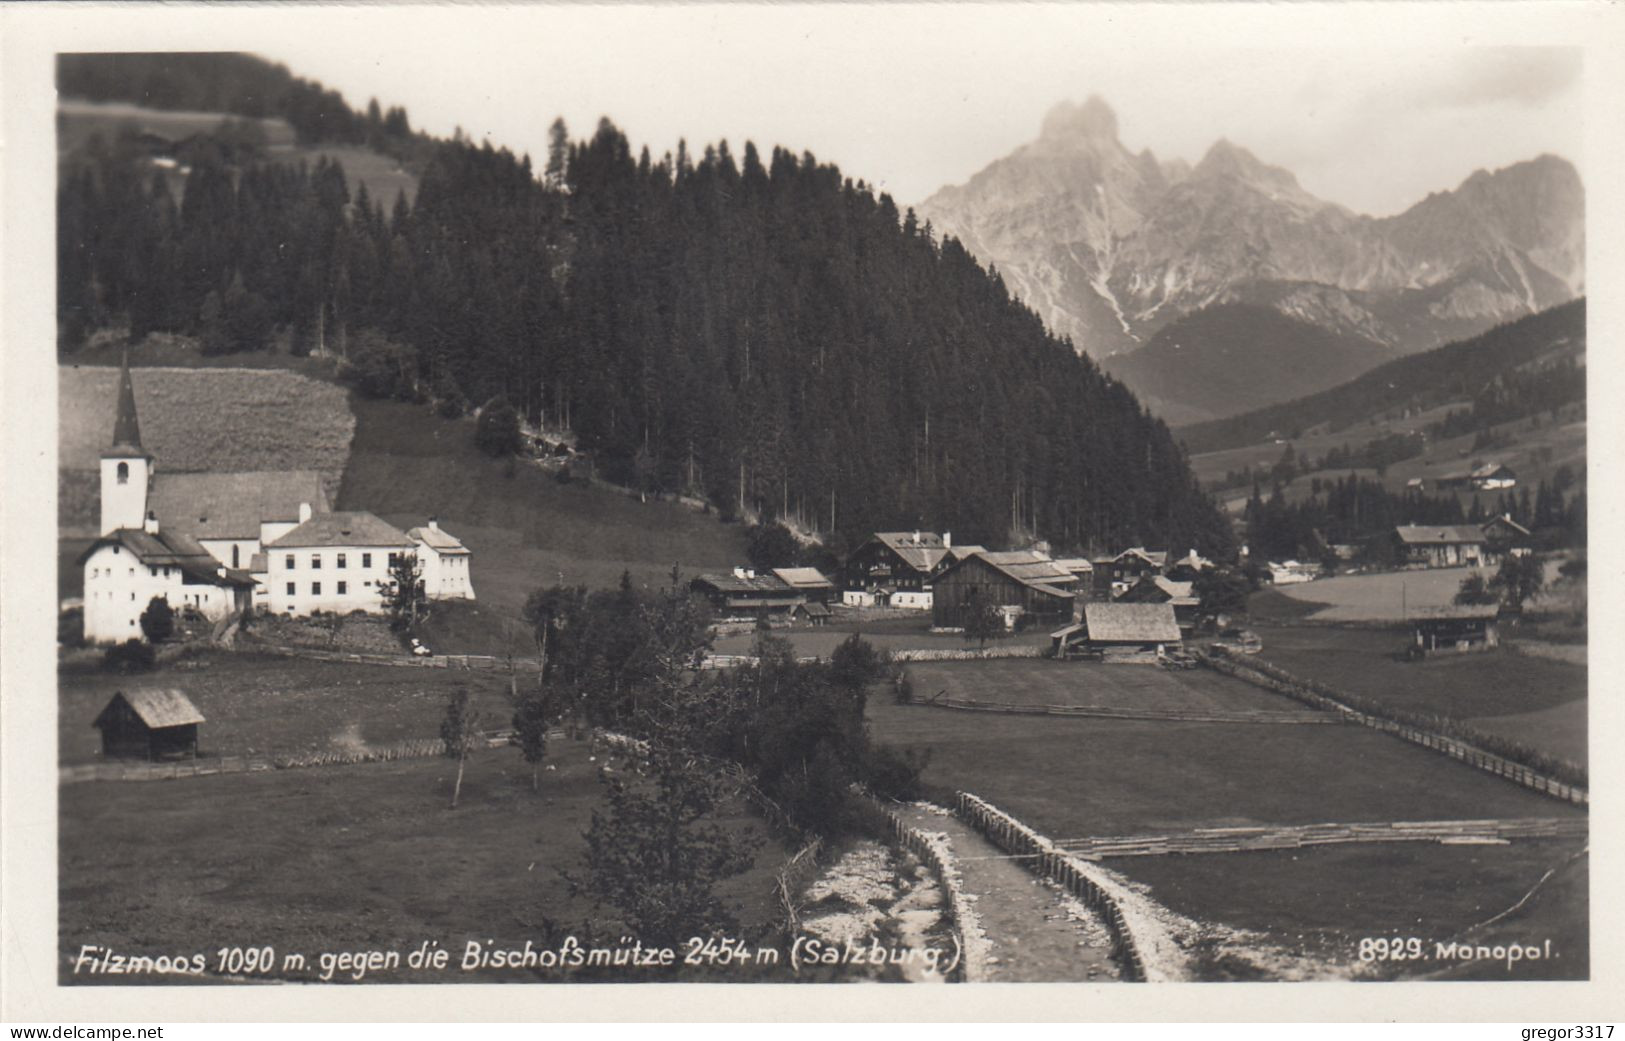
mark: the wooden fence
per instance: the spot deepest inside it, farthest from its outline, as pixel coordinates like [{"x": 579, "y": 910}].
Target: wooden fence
[
  {"x": 1238, "y": 840},
  {"x": 791, "y": 878},
  {"x": 1045, "y": 859},
  {"x": 473, "y": 662},
  {"x": 969, "y": 654},
  {"x": 934, "y": 851},
  {"x": 1283, "y": 683},
  {"x": 1111, "y": 712}
]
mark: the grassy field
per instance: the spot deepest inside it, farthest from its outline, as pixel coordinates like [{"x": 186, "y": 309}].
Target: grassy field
[
  {"x": 199, "y": 419},
  {"x": 1319, "y": 903},
  {"x": 347, "y": 858},
  {"x": 1535, "y": 700},
  {"x": 1023, "y": 681},
  {"x": 1071, "y": 778},
  {"x": 1386, "y": 596},
  {"x": 887, "y": 636},
  {"x": 273, "y": 705},
  {"x": 525, "y": 529}
]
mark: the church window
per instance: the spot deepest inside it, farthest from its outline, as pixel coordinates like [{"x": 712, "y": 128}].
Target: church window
[{"x": 124, "y": 473}]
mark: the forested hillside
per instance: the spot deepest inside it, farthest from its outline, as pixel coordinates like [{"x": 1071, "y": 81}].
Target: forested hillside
[
  {"x": 1517, "y": 369},
  {"x": 770, "y": 335}
]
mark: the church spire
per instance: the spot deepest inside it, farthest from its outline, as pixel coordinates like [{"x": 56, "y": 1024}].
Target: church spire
[{"x": 126, "y": 430}]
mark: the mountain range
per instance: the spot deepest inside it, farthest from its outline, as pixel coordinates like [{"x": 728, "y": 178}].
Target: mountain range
[{"x": 1111, "y": 246}]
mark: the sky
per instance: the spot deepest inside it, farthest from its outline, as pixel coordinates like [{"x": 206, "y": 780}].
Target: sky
[{"x": 910, "y": 98}]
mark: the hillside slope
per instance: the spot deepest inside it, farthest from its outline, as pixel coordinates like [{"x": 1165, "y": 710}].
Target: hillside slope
[
  {"x": 526, "y": 530},
  {"x": 1414, "y": 384},
  {"x": 1234, "y": 358}
]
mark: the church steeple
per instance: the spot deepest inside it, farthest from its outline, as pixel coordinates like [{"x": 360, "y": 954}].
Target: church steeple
[
  {"x": 126, "y": 428},
  {"x": 126, "y": 466}
]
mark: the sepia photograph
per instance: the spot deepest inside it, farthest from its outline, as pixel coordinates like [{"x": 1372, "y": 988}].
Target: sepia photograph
[{"x": 813, "y": 494}]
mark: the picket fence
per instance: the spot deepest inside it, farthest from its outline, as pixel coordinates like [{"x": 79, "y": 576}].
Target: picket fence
[
  {"x": 1239, "y": 840},
  {"x": 1282, "y": 683},
  {"x": 1047, "y": 860}
]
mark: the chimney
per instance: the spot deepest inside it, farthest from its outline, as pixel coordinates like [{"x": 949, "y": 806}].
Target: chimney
[
  {"x": 150, "y": 525},
  {"x": 739, "y": 572},
  {"x": 304, "y": 512},
  {"x": 916, "y": 538},
  {"x": 434, "y": 524},
  {"x": 947, "y": 540}
]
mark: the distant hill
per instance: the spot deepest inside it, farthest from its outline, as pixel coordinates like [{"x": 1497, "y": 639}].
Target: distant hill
[
  {"x": 1461, "y": 372},
  {"x": 1234, "y": 358},
  {"x": 1110, "y": 246}
]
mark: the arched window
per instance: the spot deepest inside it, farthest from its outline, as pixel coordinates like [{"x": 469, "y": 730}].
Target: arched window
[{"x": 124, "y": 473}]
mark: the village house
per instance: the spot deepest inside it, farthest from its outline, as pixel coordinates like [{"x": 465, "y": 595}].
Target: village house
[
  {"x": 1188, "y": 567},
  {"x": 1159, "y": 589},
  {"x": 1505, "y": 537},
  {"x": 896, "y": 561},
  {"x": 1120, "y": 633},
  {"x": 336, "y": 562},
  {"x": 1023, "y": 584},
  {"x": 444, "y": 560},
  {"x": 1439, "y": 545},
  {"x": 744, "y": 594}
]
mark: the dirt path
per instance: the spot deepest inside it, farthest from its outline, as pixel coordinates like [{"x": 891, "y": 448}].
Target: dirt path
[{"x": 1036, "y": 933}]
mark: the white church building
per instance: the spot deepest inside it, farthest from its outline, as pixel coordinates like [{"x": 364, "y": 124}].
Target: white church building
[{"x": 223, "y": 543}]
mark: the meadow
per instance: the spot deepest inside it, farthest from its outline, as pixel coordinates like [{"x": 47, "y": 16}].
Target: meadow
[
  {"x": 199, "y": 419},
  {"x": 1038, "y": 681},
  {"x": 346, "y": 858}
]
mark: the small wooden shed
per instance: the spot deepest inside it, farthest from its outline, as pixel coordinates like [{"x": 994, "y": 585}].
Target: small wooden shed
[{"x": 149, "y": 724}]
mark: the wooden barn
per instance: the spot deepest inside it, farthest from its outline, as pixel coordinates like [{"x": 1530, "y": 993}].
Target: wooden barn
[
  {"x": 1457, "y": 629},
  {"x": 1505, "y": 537},
  {"x": 897, "y": 561},
  {"x": 1119, "y": 632},
  {"x": 149, "y": 724},
  {"x": 809, "y": 582},
  {"x": 1041, "y": 590},
  {"x": 1156, "y": 589}
]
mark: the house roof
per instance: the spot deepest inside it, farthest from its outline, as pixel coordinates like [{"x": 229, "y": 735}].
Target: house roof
[
  {"x": 1025, "y": 565},
  {"x": 1438, "y": 534},
  {"x": 346, "y": 528},
  {"x": 1076, "y": 565},
  {"x": 1155, "y": 559},
  {"x": 1193, "y": 560},
  {"x": 920, "y": 550},
  {"x": 814, "y": 609},
  {"x": 156, "y": 707},
  {"x": 161, "y": 548},
  {"x": 1131, "y": 623},
  {"x": 233, "y": 505},
  {"x": 1490, "y": 470},
  {"x": 437, "y": 539},
  {"x": 1503, "y": 521},
  {"x": 803, "y": 578},
  {"x": 961, "y": 552},
  {"x": 735, "y": 585}
]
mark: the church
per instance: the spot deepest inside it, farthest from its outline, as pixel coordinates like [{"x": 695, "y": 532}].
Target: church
[{"x": 219, "y": 544}]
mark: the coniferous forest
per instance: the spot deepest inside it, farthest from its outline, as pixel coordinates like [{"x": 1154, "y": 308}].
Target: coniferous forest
[{"x": 758, "y": 330}]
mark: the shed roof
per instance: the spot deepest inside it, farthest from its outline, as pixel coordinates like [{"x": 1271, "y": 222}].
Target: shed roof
[
  {"x": 1136, "y": 623},
  {"x": 347, "y": 528},
  {"x": 157, "y": 707},
  {"x": 233, "y": 505},
  {"x": 1438, "y": 534}
]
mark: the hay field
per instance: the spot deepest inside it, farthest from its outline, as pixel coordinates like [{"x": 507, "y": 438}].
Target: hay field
[
  {"x": 1039, "y": 681},
  {"x": 200, "y": 420}
]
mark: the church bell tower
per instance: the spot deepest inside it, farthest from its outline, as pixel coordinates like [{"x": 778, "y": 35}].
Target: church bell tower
[{"x": 126, "y": 466}]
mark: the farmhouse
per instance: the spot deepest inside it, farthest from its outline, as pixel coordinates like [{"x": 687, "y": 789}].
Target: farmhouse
[
  {"x": 745, "y": 594},
  {"x": 444, "y": 560},
  {"x": 1023, "y": 582},
  {"x": 898, "y": 561},
  {"x": 1493, "y": 476},
  {"x": 1188, "y": 567},
  {"x": 1457, "y": 628},
  {"x": 1157, "y": 589},
  {"x": 150, "y": 724},
  {"x": 1504, "y": 537},
  {"x": 204, "y": 541},
  {"x": 1119, "y": 632},
  {"x": 1442, "y": 545}
]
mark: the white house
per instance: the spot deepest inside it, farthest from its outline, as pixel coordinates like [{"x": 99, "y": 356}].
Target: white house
[
  {"x": 444, "y": 560},
  {"x": 336, "y": 562}
]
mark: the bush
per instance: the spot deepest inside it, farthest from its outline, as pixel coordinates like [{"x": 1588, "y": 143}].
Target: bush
[
  {"x": 70, "y": 628},
  {"x": 130, "y": 656},
  {"x": 158, "y": 620},
  {"x": 497, "y": 431},
  {"x": 380, "y": 368}
]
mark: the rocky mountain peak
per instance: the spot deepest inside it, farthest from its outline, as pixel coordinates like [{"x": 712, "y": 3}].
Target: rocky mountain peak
[{"x": 1070, "y": 122}]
